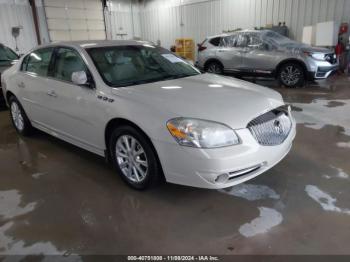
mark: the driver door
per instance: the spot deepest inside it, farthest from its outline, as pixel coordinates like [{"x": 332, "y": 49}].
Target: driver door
[
  {"x": 258, "y": 57},
  {"x": 74, "y": 109},
  {"x": 229, "y": 53}
]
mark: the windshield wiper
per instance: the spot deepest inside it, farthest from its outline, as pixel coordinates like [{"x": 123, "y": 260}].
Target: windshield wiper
[
  {"x": 138, "y": 82},
  {"x": 146, "y": 81},
  {"x": 171, "y": 77}
]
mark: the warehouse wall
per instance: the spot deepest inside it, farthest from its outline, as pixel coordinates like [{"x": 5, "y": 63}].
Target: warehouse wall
[
  {"x": 17, "y": 13},
  {"x": 75, "y": 19},
  {"x": 167, "y": 20},
  {"x": 123, "y": 19}
]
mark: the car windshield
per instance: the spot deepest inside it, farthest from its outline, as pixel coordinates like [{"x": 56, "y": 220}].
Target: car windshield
[
  {"x": 6, "y": 54},
  {"x": 278, "y": 39},
  {"x": 133, "y": 65}
]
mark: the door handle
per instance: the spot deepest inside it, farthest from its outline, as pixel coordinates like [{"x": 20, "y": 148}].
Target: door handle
[
  {"x": 21, "y": 85},
  {"x": 51, "y": 93}
]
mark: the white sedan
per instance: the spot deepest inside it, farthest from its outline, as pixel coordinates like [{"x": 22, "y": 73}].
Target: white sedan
[{"x": 152, "y": 114}]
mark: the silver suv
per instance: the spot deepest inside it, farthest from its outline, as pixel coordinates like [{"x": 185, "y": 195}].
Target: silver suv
[{"x": 265, "y": 53}]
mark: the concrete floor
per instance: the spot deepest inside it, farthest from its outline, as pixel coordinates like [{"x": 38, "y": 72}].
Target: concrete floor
[{"x": 58, "y": 199}]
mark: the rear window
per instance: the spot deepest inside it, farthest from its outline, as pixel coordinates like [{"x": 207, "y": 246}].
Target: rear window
[{"x": 215, "y": 41}]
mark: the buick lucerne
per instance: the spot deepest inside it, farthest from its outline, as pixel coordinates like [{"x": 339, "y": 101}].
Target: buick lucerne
[{"x": 150, "y": 113}]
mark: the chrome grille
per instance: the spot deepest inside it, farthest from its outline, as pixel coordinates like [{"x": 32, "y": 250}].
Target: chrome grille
[{"x": 271, "y": 128}]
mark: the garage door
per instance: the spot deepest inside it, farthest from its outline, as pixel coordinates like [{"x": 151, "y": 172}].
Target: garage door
[{"x": 75, "y": 20}]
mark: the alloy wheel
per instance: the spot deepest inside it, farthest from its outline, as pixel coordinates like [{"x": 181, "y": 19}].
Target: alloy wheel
[
  {"x": 290, "y": 75},
  {"x": 214, "y": 68},
  {"x": 131, "y": 158},
  {"x": 17, "y": 116}
]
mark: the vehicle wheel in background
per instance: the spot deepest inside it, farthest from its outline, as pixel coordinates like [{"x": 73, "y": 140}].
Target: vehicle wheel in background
[
  {"x": 291, "y": 75},
  {"x": 19, "y": 118},
  {"x": 133, "y": 156},
  {"x": 214, "y": 68}
]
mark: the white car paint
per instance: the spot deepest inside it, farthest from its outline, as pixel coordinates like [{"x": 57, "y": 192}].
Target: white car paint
[{"x": 74, "y": 114}]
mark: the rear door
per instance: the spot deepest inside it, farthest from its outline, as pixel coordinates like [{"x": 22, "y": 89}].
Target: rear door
[
  {"x": 32, "y": 81},
  {"x": 230, "y": 52},
  {"x": 207, "y": 50}
]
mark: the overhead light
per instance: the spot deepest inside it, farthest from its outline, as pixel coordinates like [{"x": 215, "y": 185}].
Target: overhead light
[
  {"x": 87, "y": 45},
  {"x": 171, "y": 87},
  {"x": 151, "y": 46},
  {"x": 215, "y": 85},
  {"x": 35, "y": 56}
]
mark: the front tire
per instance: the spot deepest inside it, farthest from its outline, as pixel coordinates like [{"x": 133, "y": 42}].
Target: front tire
[
  {"x": 19, "y": 118},
  {"x": 134, "y": 158},
  {"x": 214, "y": 68},
  {"x": 291, "y": 75}
]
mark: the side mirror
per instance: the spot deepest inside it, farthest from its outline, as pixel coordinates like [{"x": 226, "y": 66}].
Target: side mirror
[{"x": 79, "y": 78}]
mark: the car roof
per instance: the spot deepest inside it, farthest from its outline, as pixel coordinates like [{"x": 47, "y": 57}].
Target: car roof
[
  {"x": 240, "y": 31},
  {"x": 97, "y": 43}
]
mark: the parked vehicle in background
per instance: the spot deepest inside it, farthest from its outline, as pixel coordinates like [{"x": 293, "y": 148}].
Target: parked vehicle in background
[
  {"x": 150, "y": 113},
  {"x": 265, "y": 53},
  {"x": 7, "y": 58}
]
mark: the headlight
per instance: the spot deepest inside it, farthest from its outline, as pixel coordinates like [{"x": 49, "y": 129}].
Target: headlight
[
  {"x": 316, "y": 56},
  {"x": 201, "y": 133}
]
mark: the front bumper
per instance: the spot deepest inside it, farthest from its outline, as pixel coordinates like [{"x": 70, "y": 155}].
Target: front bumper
[
  {"x": 201, "y": 167},
  {"x": 321, "y": 69}
]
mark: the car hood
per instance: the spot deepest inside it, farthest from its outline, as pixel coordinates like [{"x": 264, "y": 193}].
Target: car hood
[
  {"x": 6, "y": 64},
  {"x": 299, "y": 47},
  {"x": 206, "y": 96},
  {"x": 313, "y": 49}
]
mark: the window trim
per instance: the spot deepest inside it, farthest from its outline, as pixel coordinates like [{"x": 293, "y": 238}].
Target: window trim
[{"x": 51, "y": 67}]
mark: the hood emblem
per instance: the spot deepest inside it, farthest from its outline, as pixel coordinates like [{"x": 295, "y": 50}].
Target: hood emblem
[{"x": 278, "y": 127}]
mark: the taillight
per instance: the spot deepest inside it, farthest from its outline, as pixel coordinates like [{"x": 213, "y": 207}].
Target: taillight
[{"x": 201, "y": 48}]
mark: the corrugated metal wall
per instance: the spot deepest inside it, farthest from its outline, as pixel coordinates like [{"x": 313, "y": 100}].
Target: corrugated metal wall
[
  {"x": 17, "y": 13},
  {"x": 123, "y": 19},
  {"x": 167, "y": 20}
]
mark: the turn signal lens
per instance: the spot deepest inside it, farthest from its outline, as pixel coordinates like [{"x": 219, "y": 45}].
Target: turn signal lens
[{"x": 175, "y": 131}]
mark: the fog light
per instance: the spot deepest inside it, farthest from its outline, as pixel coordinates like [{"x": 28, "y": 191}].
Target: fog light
[{"x": 222, "y": 179}]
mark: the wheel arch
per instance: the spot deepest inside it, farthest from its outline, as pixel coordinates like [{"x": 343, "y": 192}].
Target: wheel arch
[
  {"x": 291, "y": 60},
  {"x": 8, "y": 95},
  {"x": 116, "y": 122}
]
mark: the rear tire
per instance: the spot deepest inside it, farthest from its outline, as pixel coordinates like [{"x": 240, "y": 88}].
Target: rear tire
[
  {"x": 134, "y": 158},
  {"x": 214, "y": 67},
  {"x": 291, "y": 75},
  {"x": 19, "y": 118}
]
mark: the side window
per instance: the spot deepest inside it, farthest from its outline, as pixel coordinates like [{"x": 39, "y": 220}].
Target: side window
[
  {"x": 254, "y": 41},
  {"x": 67, "y": 62},
  {"x": 215, "y": 41},
  {"x": 242, "y": 40},
  {"x": 229, "y": 41},
  {"x": 38, "y": 62}
]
